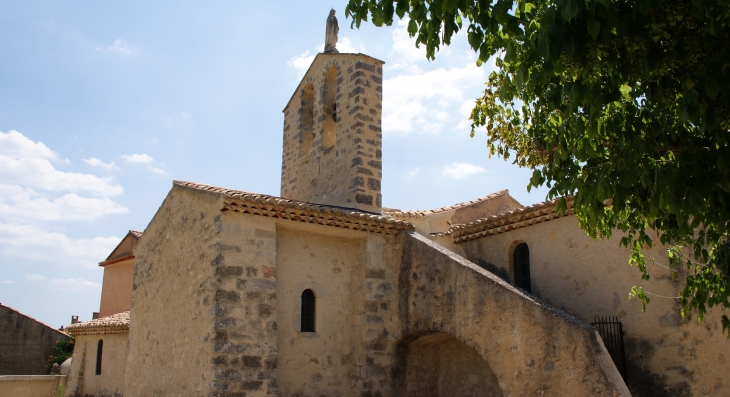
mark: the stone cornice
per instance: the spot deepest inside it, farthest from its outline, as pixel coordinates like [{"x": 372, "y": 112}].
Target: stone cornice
[
  {"x": 508, "y": 221},
  {"x": 297, "y": 211}
]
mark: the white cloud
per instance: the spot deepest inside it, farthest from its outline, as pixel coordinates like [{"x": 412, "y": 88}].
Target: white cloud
[
  {"x": 94, "y": 162},
  {"x": 39, "y": 243},
  {"x": 461, "y": 170},
  {"x": 33, "y": 192},
  {"x": 75, "y": 285},
  {"x": 156, "y": 170},
  {"x": 27, "y": 163},
  {"x": 7, "y": 282},
  {"x": 422, "y": 102},
  {"x": 119, "y": 46},
  {"x": 301, "y": 63},
  {"x": 16, "y": 146},
  {"x": 138, "y": 158},
  {"x": 345, "y": 46},
  {"x": 415, "y": 171},
  {"x": 24, "y": 204},
  {"x": 34, "y": 277}
]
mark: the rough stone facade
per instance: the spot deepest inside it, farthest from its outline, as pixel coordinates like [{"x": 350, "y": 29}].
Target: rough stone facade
[
  {"x": 666, "y": 356},
  {"x": 25, "y": 343},
  {"x": 86, "y": 382},
  {"x": 333, "y": 137}
]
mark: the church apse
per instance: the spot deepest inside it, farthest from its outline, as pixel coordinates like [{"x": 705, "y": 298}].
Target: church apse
[{"x": 343, "y": 168}]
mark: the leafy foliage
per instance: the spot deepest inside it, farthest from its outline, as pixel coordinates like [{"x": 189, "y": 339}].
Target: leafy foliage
[
  {"x": 64, "y": 350},
  {"x": 623, "y": 104}
]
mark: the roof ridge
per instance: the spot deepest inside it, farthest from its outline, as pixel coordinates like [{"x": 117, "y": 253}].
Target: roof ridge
[
  {"x": 422, "y": 213},
  {"x": 510, "y": 220},
  {"x": 112, "y": 324},
  {"x": 300, "y": 211}
]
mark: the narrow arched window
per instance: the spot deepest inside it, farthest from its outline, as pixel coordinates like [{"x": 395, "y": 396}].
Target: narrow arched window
[
  {"x": 99, "y": 348},
  {"x": 306, "y": 121},
  {"x": 329, "y": 124},
  {"x": 522, "y": 267},
  {"x": 307, "y": 311}
]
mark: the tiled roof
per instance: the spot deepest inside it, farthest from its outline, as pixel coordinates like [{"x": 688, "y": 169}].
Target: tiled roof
[
  {"x": 511, "y": 220},
  {"x": 114, "y": 324},
  {"x": 135, "y": 233},
  {"x": 298, "y": 211},
  {"x": 423, "y": 213}
]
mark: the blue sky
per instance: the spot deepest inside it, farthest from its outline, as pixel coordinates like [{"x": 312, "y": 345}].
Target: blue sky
[{"x": 104, "y": 104}]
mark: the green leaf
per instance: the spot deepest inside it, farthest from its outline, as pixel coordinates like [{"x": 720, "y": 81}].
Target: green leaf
[
  {"x": 594, "y": 27},
  {"x": 712, "y": 88},
  {"x": 543, "y": 47},
  {"x": 570, "y": 10},
  {"x": 412, "y": 28},
  {"x": 510, "y": 53}
]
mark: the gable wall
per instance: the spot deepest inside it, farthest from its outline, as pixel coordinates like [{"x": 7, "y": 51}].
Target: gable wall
[
  {"x": 116, "y": 290},
  {"x": 592, "y": 278},
  {"x": 25, "y": 344},
  {"x": 171, "y": 327}
]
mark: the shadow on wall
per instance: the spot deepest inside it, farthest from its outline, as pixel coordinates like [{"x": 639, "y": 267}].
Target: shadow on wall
[{"x": 431, "y": 364}]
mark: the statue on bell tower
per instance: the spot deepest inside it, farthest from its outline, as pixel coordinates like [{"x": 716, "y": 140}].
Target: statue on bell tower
[{"x": 330, "y": 40}]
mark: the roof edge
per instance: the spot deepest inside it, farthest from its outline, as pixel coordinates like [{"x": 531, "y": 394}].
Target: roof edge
[{"x": 423, "y": 213}]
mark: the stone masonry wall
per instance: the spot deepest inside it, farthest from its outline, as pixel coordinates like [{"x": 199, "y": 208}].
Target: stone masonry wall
[
  {"x": 25, "y": 344},
  {"x": 244, "y": 307},
  {"x": 349, "y": 173},
  {"x": 666, "y": 356},
  {"x": 534, "y": 349},
  {"x": 174, "y": 293},
  {"x": 84, "y": 382}
]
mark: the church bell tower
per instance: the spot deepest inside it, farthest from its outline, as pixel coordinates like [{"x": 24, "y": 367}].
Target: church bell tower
[{"x": 332, "y": 150}]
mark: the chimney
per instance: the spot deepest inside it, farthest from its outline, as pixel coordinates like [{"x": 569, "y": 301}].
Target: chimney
[
  {"x": 94, "y": 315},
  {"x": 74, "y": 319}
]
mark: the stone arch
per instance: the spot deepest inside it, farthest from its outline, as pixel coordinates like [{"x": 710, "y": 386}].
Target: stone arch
[
  {"x": 435, "y": 364},
  {"x": 306, "y": 120},
  {"x": 329, "y": 107}
]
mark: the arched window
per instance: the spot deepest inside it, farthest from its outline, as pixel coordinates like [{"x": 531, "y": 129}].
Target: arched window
[
  {"x": 329, "y": 124},
  {"x": 522, "y": 267},
  {"x": 306, "y": 121},
  {"x": 307, "y": 311},
  {"x": 99, "y": 348}
]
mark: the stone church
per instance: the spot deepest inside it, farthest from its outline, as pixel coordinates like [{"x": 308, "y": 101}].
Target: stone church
[{"x": 325, "y": 292}]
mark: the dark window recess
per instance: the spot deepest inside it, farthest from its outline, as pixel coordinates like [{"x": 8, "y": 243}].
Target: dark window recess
[
  {"x": 307, "y": 311},
  {"x": 522, "y": 267},
  {"x": 99, "y": 349},
  {"x": 613, "y": 338}
]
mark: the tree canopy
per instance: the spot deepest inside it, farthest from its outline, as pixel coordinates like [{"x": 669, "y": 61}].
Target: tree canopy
[{"x": 623, "y": 104}]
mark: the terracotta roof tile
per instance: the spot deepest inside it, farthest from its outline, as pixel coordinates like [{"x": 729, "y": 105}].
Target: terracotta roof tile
[
  {"x": 508, "y": 221},
  {"x": 114, "y": 324},
  {"x": 135, "y": 233},
  {"x": 298, "y": 211},
  {"x": 422, "y": 213}
]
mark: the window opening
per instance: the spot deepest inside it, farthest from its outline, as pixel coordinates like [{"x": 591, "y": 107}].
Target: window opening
[
  {"x": 307, "y": 311},
  {"x": 329, "y": 124},
  {"x": 99, "y": 348},
  {"x": 522, "y": 267},
  {"x": 306, "y": 121}
]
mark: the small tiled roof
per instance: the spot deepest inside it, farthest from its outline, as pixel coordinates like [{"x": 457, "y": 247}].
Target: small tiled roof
[
  {"x": 114, "y": 324},
  {"x": 423, "y": 213},
  {"x": 511, "y": 220},
  {"x": 135, "y": 233},
  {"x": 298, "y": 211}
]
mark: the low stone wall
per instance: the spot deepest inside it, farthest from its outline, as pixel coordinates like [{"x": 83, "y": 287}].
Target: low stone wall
[{"x": 32, "y": 385}]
